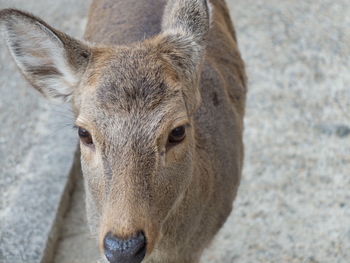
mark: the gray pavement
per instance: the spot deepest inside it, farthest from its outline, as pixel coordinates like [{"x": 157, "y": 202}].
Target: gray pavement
[
  {"x": 37, "y": 147},
  {"x": 293, "y": 204},
  {"x": 294, "y": 201}
]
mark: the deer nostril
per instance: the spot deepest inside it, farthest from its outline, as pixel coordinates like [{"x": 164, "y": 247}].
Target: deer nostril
[{"x": 132, "y": 250}]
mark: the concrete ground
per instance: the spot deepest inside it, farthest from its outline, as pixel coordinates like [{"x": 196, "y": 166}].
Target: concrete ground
[
  {"x": 37, "y": 147},
  {"x": 293, "y": 203}
]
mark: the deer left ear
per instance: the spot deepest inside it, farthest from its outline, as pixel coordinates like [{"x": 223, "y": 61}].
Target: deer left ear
[
  {"x": 189, "y": 18},
  {"x": 182, "y": 42},
  {"x": 50, "y": 60},
  {"x": 184, "y": 27}
]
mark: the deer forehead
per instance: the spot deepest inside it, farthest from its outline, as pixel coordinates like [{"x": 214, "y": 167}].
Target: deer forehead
[
  {"x": 128, "y": 88},
  {"x": 129, "y": 80}
]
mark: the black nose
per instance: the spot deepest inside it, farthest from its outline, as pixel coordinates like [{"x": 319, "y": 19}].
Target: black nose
[{"x": 118, "y": 250}]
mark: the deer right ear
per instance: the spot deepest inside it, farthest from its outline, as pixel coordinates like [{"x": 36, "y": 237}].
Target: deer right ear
[{"x": 50, "y": 60}]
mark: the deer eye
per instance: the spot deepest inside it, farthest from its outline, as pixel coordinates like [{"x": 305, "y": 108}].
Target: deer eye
[
  {"x": 177, "y": 135},
  {"x": 85, "y": 136}
]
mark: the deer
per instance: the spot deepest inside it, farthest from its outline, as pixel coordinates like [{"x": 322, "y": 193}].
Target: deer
[{"x": 158, "y": 91}]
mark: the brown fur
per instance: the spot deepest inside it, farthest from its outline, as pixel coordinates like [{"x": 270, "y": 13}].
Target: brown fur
[{"x": 144, "y": 77}]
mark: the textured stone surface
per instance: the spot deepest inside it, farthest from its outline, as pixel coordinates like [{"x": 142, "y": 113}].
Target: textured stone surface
[
  {"x": 76, "y": 244},
  {"x": 36, "y": 146},
  {"x": 293, "y": 204}
]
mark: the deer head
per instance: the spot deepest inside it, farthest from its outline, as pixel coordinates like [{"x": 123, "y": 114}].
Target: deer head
[{"x": 134, "y": 109}]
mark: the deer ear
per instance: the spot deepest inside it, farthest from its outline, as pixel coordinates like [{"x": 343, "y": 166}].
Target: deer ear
[
  {"x": 184, "y": 28},
  {"x": 49, "y": 59},
  {"x": 188, "y": 18}
]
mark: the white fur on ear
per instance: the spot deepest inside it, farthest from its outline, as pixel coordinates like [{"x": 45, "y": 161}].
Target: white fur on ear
[
  {"x": 35, "y": 51},
  {"x": 211, "y": 12},
  {"x": 41, "y": 54}
]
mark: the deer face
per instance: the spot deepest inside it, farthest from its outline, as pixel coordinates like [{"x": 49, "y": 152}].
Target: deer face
[
  {"x": 137, "y": 140},
  {"x": 134, "y": 108}
]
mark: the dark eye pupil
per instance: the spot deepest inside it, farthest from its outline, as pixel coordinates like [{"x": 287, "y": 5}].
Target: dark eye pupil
[
  {"x": 85, "y": 136},
  {"x": 177, "y": 134},
  {"x": 83, "y": 133}
]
